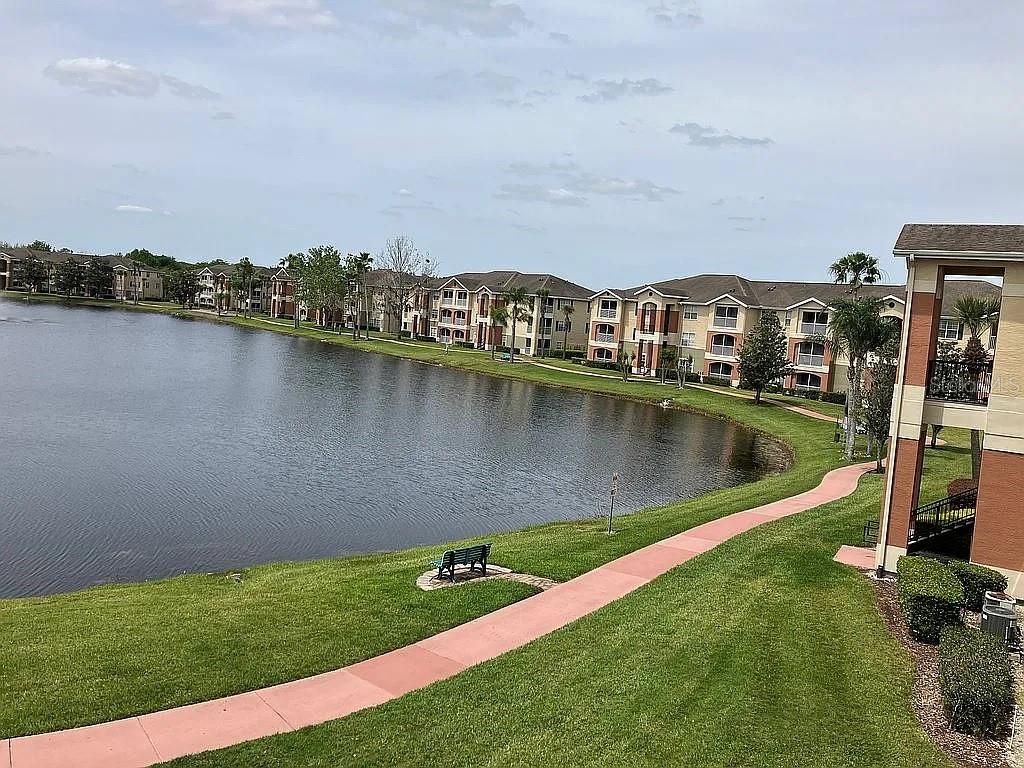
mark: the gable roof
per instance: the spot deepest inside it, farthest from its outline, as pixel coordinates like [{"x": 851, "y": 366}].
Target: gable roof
[
  {"x": 961, "y": 238},
  {"x": 502, "y": 280}
]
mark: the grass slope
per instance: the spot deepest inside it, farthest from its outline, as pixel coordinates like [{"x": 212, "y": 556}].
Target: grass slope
[{"x": 762, "y": 652}]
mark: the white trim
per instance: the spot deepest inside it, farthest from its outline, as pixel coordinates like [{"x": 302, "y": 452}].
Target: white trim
[
  {"x": 607, "y": 291},
  {"x": 652, "y": 289}
]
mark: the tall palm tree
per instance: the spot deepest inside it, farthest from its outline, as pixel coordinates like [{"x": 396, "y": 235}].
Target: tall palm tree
[
  {"x": 358, "y": 265},
  {"x": 856, "y": 329},
  {"x": 542, "y": 296},
  {"x": 498, "y": 315},
  {"x": 978, "y": 314},
  {"x": 515, "y": 300},
  {"x": 567, "y": 312},
  {"x": 856, "y": 269}
]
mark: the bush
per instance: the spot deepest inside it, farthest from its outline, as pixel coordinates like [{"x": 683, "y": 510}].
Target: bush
[
  {"x": 976, "y": 682},
  {"x": 839, "y": 398},
  {"x": 931, "y": 596},
  {"x": 976, "y": 581},
  {"x": 961, "y": 485},
  {"x": 601, "y": 364},
  {"x": 465, "y": 344}
]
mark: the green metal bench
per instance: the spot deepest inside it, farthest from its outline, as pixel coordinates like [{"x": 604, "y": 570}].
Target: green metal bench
[
  {"x": 505, "y": 357},
  {"x": 870, "y": 533},
  {"x": 471, "y": 556}
]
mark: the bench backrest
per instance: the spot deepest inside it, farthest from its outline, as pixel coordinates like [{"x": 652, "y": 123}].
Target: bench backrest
[{"x": 467, "y": 555}]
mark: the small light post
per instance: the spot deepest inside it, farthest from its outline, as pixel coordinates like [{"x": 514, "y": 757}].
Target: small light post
[{"x": 611, "y": 506}]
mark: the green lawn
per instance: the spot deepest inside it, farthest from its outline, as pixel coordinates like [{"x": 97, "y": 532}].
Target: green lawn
[{"x": 762, "y": 652}]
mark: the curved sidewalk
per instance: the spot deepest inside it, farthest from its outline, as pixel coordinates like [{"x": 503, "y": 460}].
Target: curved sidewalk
[{"x": 136, "y": 742}]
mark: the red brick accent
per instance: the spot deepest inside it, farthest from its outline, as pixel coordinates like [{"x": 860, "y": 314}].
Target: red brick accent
[
  {"x": 673, "y": 321},
  {"x": 906, "y": 488},
  {"x": 999, "y": 525},
  {"x": 925, "y": 311}
]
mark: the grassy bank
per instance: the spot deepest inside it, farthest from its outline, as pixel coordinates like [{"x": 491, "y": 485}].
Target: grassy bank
[{"x": 762, "y": 652}]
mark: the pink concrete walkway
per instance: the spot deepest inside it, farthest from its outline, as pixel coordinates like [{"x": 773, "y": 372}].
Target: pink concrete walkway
[
  {"x": 858, "y": 557},
  {"x": 141, "y": 741}
]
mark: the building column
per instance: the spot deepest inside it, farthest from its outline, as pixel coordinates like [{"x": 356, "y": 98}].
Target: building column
[
  {"x": 908, "y": 433},
  {"x": 998, "y": 532}
]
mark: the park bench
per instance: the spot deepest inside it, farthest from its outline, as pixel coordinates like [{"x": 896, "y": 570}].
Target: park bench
[
  {"x": 470, "y": 556},
  {"x": 870, "y": 533}
]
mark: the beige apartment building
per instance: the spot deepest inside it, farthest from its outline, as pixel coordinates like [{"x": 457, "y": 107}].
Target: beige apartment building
[
  {"x": 457, "y": 310},
  {"x": 130, "y": 278},
  {"x": 215, "y": 287},
  {"x": 706, "y": 317}
]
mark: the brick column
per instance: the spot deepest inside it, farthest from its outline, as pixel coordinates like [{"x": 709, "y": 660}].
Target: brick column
[{"x": 908, "y": 433}]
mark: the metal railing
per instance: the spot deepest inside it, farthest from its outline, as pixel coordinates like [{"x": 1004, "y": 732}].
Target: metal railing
[
  {"x": 605, "y": 338},
  {"x": 814, "y": 329},
  {"x": 814, "y": 361},
  {"x": 723, "y": 351},
  {"x": 942, "y": 516},
  {"x": 609, "y": 313},
  {"x": 960, "y": 382}
]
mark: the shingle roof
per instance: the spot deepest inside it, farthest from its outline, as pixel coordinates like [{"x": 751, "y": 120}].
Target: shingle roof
[
  {"x": 503, "y": 280},
  {"x": 961, "y": 238},
  {"x": 777, "y": 294}
]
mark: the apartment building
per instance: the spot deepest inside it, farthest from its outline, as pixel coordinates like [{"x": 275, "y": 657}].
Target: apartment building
[
  {"x": 986, "y": 397},
  {"x": 216, "y": 287},
  {"x": 457, "y": 310},
  {"x": 130, "y": 278},
  {"x": 706, "y": 317}
]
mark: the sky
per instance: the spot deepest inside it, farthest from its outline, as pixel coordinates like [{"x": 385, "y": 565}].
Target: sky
[{"x": 612, "y": 142}]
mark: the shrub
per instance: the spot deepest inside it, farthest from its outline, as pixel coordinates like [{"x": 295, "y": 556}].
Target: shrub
[
  {"x": 931, "y": 596},
  {"x": 838, "y": 398},
  {"x": 601, "y": 364},
  {"x": 961, "y": 485},
  {"x": 976, "y": 682},
  {"x": 976, "y": 581}
]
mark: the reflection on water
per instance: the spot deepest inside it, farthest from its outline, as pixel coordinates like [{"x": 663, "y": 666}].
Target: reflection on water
[{"x": 135, "y": 446}]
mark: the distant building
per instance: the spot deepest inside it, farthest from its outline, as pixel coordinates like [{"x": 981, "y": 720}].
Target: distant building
[
  {"x": 129, "y": 277},
  {"x": 216, "y": 286},
  {"x": 706, "y": 317}
]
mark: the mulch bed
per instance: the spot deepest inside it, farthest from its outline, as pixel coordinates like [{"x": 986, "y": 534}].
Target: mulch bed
[{"x": 926, "y": 698}]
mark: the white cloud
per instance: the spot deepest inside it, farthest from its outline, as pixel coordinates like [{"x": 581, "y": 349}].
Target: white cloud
[
  {"x": 128, "y": 208},
  {"x": 677, "y": 14},
  {"x": 222, "y": 116},
  {"x": 403, "y": 192},
  {"x": 613, "y": 90},
  {"x": 574, "y": 179},
  {"x": 538, "y": 193},
  {"x": 287, "y": 14},
  {"x": 712, "y": 138},
  {"x": 482, "y": 18},
  {"x": 105, "y": 77}
]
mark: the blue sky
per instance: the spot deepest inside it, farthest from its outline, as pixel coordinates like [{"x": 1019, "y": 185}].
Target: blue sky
[{"x": 611, "y": 142}]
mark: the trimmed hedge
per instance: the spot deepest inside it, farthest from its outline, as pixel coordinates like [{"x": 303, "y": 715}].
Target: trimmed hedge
[
  {"x": 976, "y": 581},
  {"x": 976, "y": 681},
  {"x": 961, "y": 485},
  {"x": 931, "y": 596}
]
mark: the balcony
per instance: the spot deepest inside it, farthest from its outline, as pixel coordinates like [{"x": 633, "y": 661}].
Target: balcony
[
  {"x": 814, "y": 329},
  {"x": 811, "y": 361},
  {"x": 959, "y": 382},
  {"x": 940, "y": 517},
  {"x": 605, "y": 338},
  {"x": 607, "y": 313},
  {"x": 722, "y": 351}
]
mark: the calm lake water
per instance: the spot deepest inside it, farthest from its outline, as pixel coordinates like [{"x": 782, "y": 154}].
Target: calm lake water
[{"x": 135, "y": 446}]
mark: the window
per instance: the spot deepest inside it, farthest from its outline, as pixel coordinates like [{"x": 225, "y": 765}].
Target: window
[
  {"x": 688, "y": 339},
  {"x": 648, "y": 315},
  {"x": 604, "y": 333},
  {"x": 447, "y": 296},
  {"x": 546, "y": 324},
  {"x": 814, "y": 323},
  {"x": 720, "y": 371},
  {"x": 689, "y": 312},
  {"x": 723, "y": 345},
  {"x": 810, "y": 353},
  {"x": 950, "y": 329},
  {"x": 727, "y": 317},
  {"x": 603, "y": 354},
  {"x": 609, "y": 308},
  {"x": 807, "y": 381},
  {"x": 433, "y": 314},
  {"x": 561, "y": 326}
]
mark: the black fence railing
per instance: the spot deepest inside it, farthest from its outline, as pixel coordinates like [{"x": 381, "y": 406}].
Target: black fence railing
[
  {"x": 959, "y": 381},
  {"x": 942, "y": 516}
]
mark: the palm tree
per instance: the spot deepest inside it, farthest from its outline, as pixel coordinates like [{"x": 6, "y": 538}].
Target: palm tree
[
  {"x": 567, "y": 313},
  {"x": 978, "y": 314},
  {"x": 856, "y": 329},
  {"x": 856, "y": 269},
  {"x": 358, "y": 265},
  {"x": 498, "y": 315},
  {"x": 542, "y": 296},
  {"x": 515, "y": 299}
]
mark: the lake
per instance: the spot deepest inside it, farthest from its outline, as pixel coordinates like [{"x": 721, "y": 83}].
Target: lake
[{"x": 136, "y": 445}]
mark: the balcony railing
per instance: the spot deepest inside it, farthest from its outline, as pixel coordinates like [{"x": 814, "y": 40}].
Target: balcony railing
[
  {"x": 960, "y": 382},
  {"x": 725, "y": 322},
  {"x": 608, "y": 313},
  {"x": 814, "y": 329},
  {"x": 605, "y": 338},
  {"x": 717, "y": 349},
  {"x": 942, "y": 516}
]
